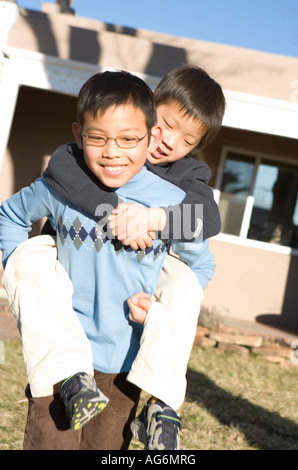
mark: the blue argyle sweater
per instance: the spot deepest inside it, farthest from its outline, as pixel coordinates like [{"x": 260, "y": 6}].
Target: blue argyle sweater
[{"x": 104, "y": 273}]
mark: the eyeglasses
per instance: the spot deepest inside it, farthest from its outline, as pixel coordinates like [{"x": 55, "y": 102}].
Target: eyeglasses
[{"x": 124, "y": 142}]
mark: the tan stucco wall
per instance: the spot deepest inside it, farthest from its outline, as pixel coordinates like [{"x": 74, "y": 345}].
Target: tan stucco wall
[
  {"x": 142, "y": 51},
  {"x": 251, "y": 282}
]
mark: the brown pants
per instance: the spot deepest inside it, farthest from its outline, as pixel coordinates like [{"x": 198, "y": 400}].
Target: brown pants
[{"x": 48, "y": 429}]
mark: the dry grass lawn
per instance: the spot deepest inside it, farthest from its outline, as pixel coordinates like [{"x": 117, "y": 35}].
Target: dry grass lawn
[{"x": 232, "y": 403}]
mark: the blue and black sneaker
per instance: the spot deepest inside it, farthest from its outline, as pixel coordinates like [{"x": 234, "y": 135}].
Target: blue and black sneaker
[
  {"x": 157, "y": 426},
  {"x": 82, "y": 399}
]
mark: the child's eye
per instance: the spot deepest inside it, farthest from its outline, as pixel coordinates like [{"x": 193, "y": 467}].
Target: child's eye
[
  {"x": 127, "y": 139},
  {"x": 167, "y": 124},
  {"x": 96, "y": 138}
]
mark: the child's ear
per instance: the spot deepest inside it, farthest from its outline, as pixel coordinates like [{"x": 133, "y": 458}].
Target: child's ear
[
  {"x": 155, "y": 138},
  {"x": 77, "y": 131}
]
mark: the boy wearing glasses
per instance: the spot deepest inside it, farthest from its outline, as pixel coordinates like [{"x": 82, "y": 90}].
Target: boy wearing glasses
[
  {"x": 190, "y": 109},
  {"x": 119, "y": 110}
]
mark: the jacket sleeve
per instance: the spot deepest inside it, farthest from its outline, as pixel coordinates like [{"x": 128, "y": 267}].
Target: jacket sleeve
[
  {"x": 198, "y": 215},
  {"x": 68, "y": 174}
]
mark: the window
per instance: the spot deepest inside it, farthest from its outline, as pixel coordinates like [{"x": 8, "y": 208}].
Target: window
[{"x": 258, "y": 198}]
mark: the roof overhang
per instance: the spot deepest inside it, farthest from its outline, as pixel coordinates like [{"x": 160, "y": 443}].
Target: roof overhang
[
  {"x": 244, "y": 111},
  {"x": 261, "y": 114}
]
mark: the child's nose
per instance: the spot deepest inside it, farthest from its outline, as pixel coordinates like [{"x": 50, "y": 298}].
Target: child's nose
[
  {"x": 169, "y": 141},
  {"x": 111, "y": 149}
]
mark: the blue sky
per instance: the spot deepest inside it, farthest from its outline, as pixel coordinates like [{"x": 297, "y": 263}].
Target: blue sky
[{"x": 266, "y": 25}]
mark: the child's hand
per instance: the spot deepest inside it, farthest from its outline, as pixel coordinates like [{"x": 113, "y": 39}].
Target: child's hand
[
  {"x": 140, "y": 243},
  {"x": 130, "y": 224},
  {"x": 139, "y": 305},
  {"x": 135, "y": 225}
]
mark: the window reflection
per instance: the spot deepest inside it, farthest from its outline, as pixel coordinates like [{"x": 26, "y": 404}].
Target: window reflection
[
  {"x": 235, "y": 187},
  {"x": 272, "y": 214},
  {"x": 275, "y": 213}
]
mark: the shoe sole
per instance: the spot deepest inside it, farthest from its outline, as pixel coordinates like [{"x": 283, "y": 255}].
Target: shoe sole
[{"x": 84, "y": 411}]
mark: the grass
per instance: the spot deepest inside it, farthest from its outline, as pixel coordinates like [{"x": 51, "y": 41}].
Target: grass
[
  {"x": 13, "y": 405},
  {"x": 232, "y": 402}
]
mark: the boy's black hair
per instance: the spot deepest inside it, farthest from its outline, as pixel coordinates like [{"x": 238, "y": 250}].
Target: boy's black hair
[
  {"x": 115, "y": 88},
  {"x": 199, "y": 95}
]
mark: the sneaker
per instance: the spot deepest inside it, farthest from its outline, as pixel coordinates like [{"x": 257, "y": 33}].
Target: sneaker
[
  {"x": 82, "y": 399},
  {"x": 157, "y": 426}
]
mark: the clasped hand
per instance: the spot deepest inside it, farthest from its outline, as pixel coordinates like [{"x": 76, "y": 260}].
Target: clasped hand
[{"x": 130, "y": 223}]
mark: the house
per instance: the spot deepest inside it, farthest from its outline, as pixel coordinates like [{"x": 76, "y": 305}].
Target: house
[{"x": 47, "y": 56}]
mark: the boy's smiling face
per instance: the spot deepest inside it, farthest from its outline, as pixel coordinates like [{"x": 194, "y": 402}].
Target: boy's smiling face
[
  {"x": 180, "y": 134},
  {"x": 114, "y": 166}
]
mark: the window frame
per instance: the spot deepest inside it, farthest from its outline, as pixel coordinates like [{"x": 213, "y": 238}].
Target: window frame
[{"x": 242, "y": 239}]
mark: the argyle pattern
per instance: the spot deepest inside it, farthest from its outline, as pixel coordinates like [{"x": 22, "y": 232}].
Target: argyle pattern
[{"x": 89, "y": 234}]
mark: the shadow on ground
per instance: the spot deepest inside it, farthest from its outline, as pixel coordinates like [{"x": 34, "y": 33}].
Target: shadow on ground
[{"x": 263, "y": 429}]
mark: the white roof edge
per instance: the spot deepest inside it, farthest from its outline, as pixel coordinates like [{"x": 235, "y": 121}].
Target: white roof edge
[
  {"x": 244, "y": 111},
  {"x": 262, "y": 114}
]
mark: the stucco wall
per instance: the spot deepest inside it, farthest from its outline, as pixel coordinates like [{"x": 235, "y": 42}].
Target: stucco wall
[
  {"x": 253, "y": 284},
  {"x": 142, "y": 51}
]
